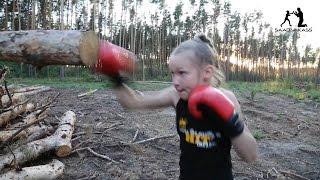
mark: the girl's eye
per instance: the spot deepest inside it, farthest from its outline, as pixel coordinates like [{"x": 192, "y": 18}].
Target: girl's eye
[{"x": 182, "y": 72}]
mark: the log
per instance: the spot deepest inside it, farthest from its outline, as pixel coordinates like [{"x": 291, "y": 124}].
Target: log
[
  {"x": 16, "y": 98},
  {"x": 15, "y": 112},
  {"x": 4, "y": 135},
  {"x": 60, "y": 141},
  {"x": 27, "y": 89},
  {"x": 30, "y": 118},
  {"x": 39, "y": 132},
  {"x": 52, "y": 170},
  {"x": 49, "y": 47}
]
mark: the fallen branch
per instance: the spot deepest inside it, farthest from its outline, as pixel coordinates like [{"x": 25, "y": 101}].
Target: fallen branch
[
  {"x": 49, "y": 171},
  {"x": 7, "y": 91},
  {"x": 294, "y": 175},
  {"x": 152, "y": 139},
  {"x": 135, "y": 136},
  {"x": 87, "y": 93},
  {"x": 48, "y": 103},
  {"x": 312, "y": 151},
  {"x": 96, "y": 154},
  {"x": 3, "y": 73},
  {"x": 101, "y": 156}
]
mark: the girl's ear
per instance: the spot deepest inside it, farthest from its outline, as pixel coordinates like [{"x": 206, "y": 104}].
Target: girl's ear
[{"x": 208, "y": 72}]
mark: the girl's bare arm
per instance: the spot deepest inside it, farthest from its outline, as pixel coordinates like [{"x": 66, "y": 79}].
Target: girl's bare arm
[
  {"x": 245, "y": 144},
  {"x": 130, "y": 99}
]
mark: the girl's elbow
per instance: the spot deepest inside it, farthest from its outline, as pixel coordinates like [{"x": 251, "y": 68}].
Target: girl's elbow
[{"x": 251, "y": 158}]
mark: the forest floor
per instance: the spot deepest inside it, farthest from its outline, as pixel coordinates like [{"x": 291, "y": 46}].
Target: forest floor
[{"x": 287, "y": 133}]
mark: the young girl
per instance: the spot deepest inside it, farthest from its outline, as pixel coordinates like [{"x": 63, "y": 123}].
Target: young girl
[{"x": 208, "y": 118}]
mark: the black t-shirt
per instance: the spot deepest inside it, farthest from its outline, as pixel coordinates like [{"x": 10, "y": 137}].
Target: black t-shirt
[{"x": 205, "y": 151}]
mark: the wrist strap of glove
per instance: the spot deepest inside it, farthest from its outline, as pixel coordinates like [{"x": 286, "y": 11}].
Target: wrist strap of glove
[
  {"x": 234, "y": 127},
  {"x": 117, "y": 81}
]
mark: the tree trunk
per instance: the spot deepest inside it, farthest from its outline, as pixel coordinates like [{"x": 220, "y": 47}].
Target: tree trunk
[
  {"x": 5, "y": 26},
  {"x": 318, "y": 71},
  {"x": 49, "y": 47},
  {"x": 49, "y": 171}
]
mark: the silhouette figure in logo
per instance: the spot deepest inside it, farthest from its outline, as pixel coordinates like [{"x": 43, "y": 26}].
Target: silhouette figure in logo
[
  {"x": 299, "y": 14},
  {"x": 286, "y": 18}
]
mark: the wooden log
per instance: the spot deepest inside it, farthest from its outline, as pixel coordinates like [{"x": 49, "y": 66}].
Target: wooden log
[
  {"x": 64, "y": 134},
  {"x": 15, "y": 112},
  {"x": 49, "y": 47},
  {"x": 30, "y": 118},
  {"x": 32, "y": 133},
  {"x": 52, "y": 170},
  {"x": 60, "y": 141},
  {"x": 39, "y": 132},
  {"x": 4, "y": 135},
  {"x": 27, "y": 89},
  {"x": 12, "y": 114},
  {"x": 16, "y": 98}
]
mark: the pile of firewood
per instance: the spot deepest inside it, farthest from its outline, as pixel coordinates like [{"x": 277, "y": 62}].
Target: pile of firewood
[{"x": 26, "y": 133}]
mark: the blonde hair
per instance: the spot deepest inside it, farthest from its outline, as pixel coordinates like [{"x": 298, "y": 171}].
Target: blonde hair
[{"x": 205, "y": 54}]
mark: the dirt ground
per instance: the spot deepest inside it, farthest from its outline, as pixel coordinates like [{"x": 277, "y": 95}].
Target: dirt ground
[{"x": 288, "y": 131}]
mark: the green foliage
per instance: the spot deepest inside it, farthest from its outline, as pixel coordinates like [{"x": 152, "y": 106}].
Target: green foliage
[
  {"x": 286, "y": 87},
  {"x": 258, "y": 135}
]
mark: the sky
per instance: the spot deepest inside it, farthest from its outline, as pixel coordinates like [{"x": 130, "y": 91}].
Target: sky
[{"x": 274, "y": 12}]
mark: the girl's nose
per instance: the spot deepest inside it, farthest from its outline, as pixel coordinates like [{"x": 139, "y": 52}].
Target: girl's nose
[{"x": 175, "y": 81}]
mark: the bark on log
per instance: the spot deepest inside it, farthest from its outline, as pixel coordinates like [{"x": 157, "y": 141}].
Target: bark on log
[
  {"x": 49, "y": 47},
  {"x": 60, "y": 141},
  {"x": 12, "y": 114},
  {"x": 16, "y": 98},
  {"x": 4, "y": 135},
  {"x": 39, "y": 132},
  {"x": 49, "y": 171},
  {"x": 30, "y": 118}
]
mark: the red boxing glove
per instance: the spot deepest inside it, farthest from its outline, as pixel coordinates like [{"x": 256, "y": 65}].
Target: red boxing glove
[
  {"x": 114, "y": 59},
  {"x": 213, "y": 103}
]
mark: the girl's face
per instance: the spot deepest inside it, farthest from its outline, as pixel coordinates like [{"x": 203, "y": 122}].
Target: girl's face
[{"x": 186, "y": 74}]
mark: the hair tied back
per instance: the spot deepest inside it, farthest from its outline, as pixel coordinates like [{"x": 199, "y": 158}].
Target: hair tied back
[{"x": 204, "y": 39}]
